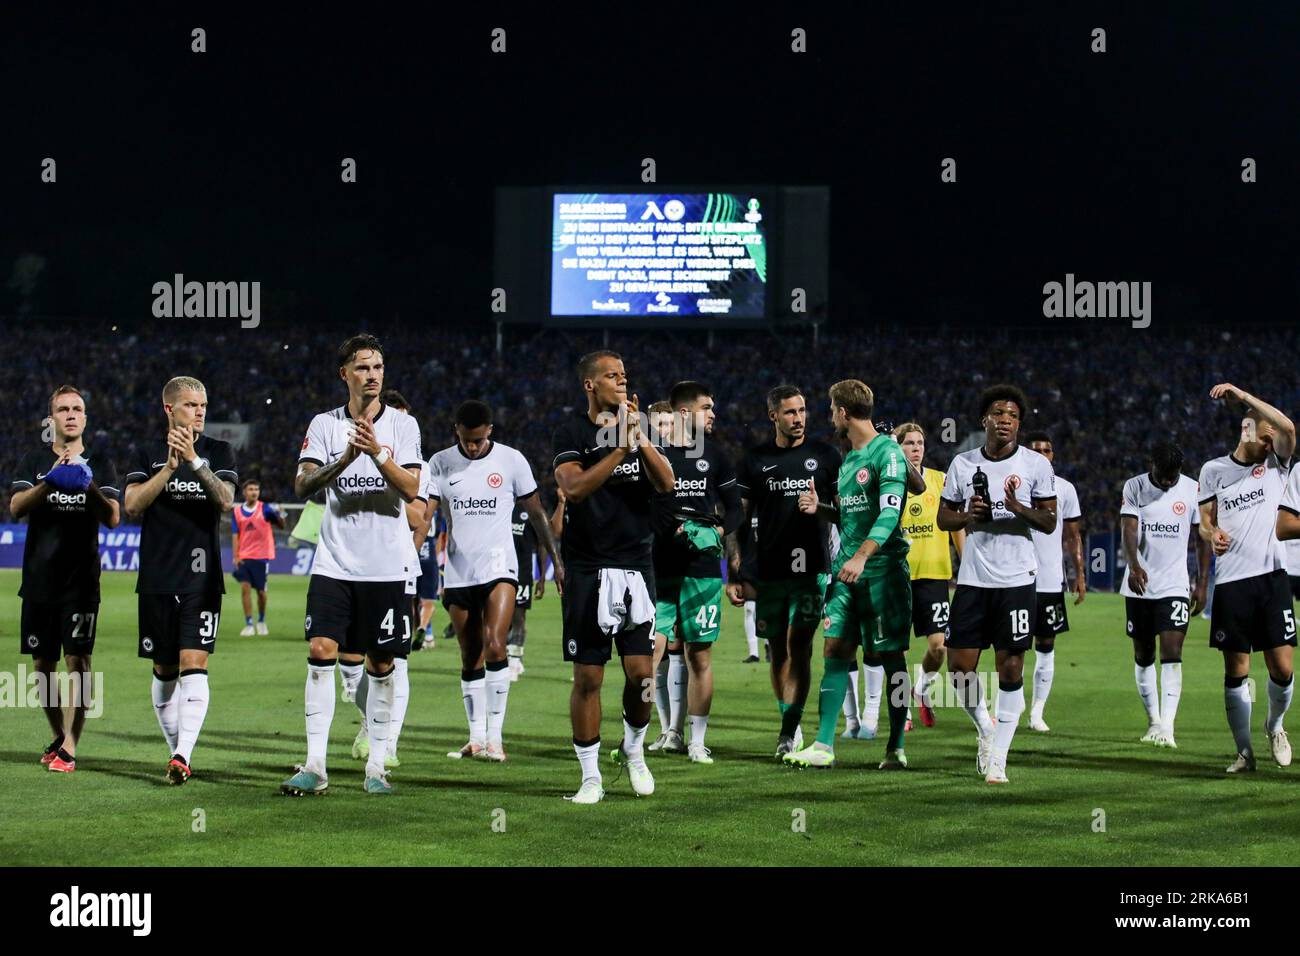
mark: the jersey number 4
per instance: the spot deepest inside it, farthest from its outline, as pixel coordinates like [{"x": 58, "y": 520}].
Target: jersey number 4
[{"x": 387, "y": 625}]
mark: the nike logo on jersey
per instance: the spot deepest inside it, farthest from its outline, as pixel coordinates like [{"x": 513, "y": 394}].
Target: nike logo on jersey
[
  {"x": 208, "y": 641},
  {"x": 389, "y": 641},
  {"x": 456, "y": 482},
  {"x": 160, "y": 464},
  {"x": 40, "y": 476},
  {"x": 768, "y": 467}
]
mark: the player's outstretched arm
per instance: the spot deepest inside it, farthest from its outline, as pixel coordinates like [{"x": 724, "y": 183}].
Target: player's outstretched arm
[
  {"x": 1285, "y": 440},
  {"x": 542, "y": 526}
]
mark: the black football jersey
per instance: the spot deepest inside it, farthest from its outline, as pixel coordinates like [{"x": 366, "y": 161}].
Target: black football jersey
[
  {"x": 61, "y": 556},
  {"x": 772, "y": 478},
  {"x": 701, "y": 477},
  {"x": 180, "y": 550}
]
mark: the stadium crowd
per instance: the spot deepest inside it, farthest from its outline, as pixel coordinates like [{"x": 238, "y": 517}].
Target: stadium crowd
[{"x": 1104, "y": 396}]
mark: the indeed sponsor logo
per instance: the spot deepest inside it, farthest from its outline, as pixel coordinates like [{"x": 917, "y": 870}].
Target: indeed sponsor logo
[
  {"x": 361, "y": 484},
  {"x": 59, "y": 498},
  {"x": 1243, "y": 499},
  {"x": 471, "y": 504},
  {"x": 1159, "y": 527},
  {"x": 854, "y": 501},
  {"x": 919, "y": 529},
  {"x": 632, "y": 467},
  {"x": 691, "y": 484},
  {"x": 177, "y": 487},
  {"x": 790, "y": 484}
]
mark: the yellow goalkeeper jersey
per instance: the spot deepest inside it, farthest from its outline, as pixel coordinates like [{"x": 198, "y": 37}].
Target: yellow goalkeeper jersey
[{"x": 929, "y": 556}]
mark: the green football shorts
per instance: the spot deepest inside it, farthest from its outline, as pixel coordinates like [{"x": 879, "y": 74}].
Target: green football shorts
[
  {"x": 692, "y": 605},
  {"x": 876, "y": 611},
  {"x": 792, "y": 603}
]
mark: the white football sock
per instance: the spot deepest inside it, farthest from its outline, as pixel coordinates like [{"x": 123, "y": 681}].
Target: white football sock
[
  {"x": 192, "y": 693},
  {"x": 589, "y": 758},
  {"x": 474, "y": 694},
  {"x": 1044, "y": 669},
  {"x": 633, "y": 739},
  {"x": 676, "y": 690},
  {"x": 1279, "y": 702},
  {"x": 661, "y": 695},
  {"x": 875, "y": 683},
  {"x": 923, "y": 683},
  {"x": 1011, "y": 704},
  {"x": 166, "y": 706},
  {"x": 401, "y": 695},
  {"x": 751, "y": 627},
  {"x": 379, "y": 718},
  {"x": 970, "y": 693},
  {"x": 853, "y": 702},
  {"x": 363, "y": 689},
  {"x": 1236, "y": 701},
  {"x": 351, "y": 676},
  {"x": 1171, "y": 689},
  {"x": 496, "y": 691},
  {"x": 319, "y": 700},
  {"x": 699, "y": 726},
  {"x": 1146, "y": 681}
]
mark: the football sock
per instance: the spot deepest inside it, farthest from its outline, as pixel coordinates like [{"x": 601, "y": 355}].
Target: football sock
[
  {"x": 971, "y": 694},
  {"x": 896, "y": 701},
  {"x": 319, "y": 699},
  {"x": 1236, "y": 700},
  {"x": 875, "y": 680},
  {"x": 1044, "y": 669},
  {"x": 363, "y": 690},
  {"x": 1279, "y": 701},
  {"x": 261, "y": 617},
  {"x": 588, "y": 752},
  {"x": 676, "y": 689},
  {"x": 1011, "y": 704},
  {"x": 751, "y": 627},
  {"x": 699, "y": 726},
  {"x": 473, "y": 690},
  {"x": 923, "y": 683},
  {"x": 633, "y": 739},
  {"x": 835, "y": 683},
  {"x": 192, "y": 693},
  {"x": 351, "y": 674},
  {"x": 497, "y": 691},
  {"x": 166, "y": 706},
  {"x": 1171, "y": 689},
  {"x": 248, "y": 619},
  {"x": 661, "y": 695},
  {"x": 379, "y": 718},
  {"x": 791, "y": 715},
  {"x": 401, "y": 695},
  {"x": 852, "y": 703},
  {"x": 1146, "y": 681}
]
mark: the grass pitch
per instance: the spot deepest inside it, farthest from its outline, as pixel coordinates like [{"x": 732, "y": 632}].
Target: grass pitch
[{"x": 1160, "y": 807}]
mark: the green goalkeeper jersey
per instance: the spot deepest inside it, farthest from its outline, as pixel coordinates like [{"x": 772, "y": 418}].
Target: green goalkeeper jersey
[{"x": 872, "y": 489}]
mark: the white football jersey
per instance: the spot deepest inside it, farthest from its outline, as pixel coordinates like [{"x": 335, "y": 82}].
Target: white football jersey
[
  {"x": 364, "y": 535},
  {"x": 999, "y": 553},
  {"x": 1165, "y": 518},
  {"x": 478, "y": 497},
  {"x": 1049, "y": 550},
  {"x": 1248, "y": 497},
  {"x": 1291, "y": 502}
]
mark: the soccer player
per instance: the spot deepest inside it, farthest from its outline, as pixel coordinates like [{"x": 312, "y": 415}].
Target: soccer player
[
  {"x": 869, "y": 604},
  {"x": 1050, "y": 618},
  {"x": 1158, "y": 512},
  {"x": 688, "y": 559},
  {"x": 431, "y": 544},
  {"x": 65, "y": 491},
  {"x": 479, "y": 484},
  {"x": 999, "y": 494},
  {"x": 525, "y": 536},
  {"x": 608, "y": 470},
  {"x": 791, "y": 554},
  {"x": 931, "y": 565},
  {"x": 1240, "y": 494},
  {"x": 253, "y": 545},
  {"x": 179, "y": 492},
  {"x": 366, "y": 455}
]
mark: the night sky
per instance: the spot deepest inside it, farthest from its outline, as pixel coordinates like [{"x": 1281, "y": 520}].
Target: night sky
[{"x": 225, "y": 165}]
